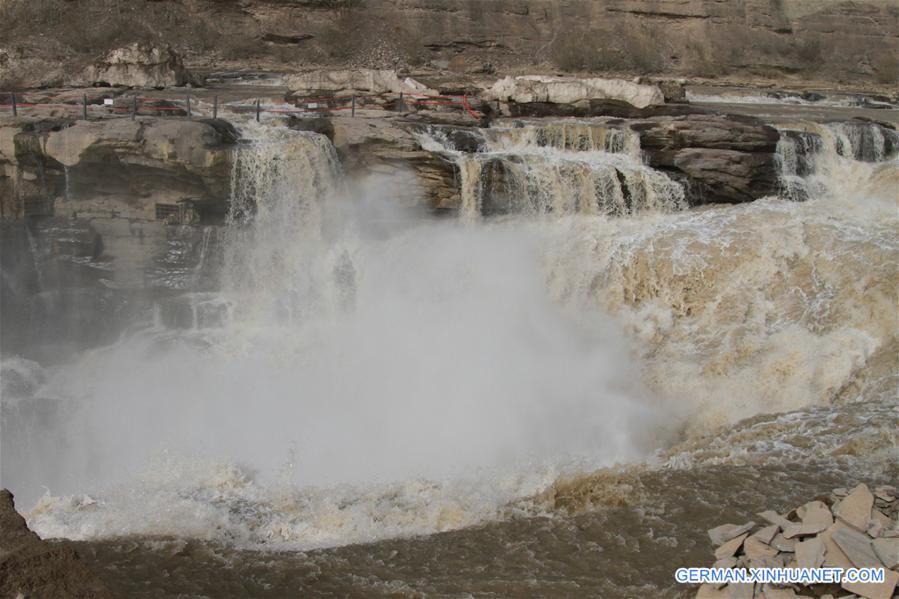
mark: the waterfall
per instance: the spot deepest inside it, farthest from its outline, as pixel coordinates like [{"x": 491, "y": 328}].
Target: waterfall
[
  {"x": 281, "y": 182},
  {"x": 578, "y": 167},
  {"x": 817, "y": 159}
]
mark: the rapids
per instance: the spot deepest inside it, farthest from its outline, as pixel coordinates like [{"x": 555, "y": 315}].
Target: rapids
[{"x": 363, "y": 374}]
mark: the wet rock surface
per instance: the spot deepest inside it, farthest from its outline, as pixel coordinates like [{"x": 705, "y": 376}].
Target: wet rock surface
[{"x": 31, "y": 567}]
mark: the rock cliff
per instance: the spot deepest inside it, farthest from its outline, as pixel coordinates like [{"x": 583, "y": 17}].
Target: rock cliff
[
  {"x": 838, "y": 42},
  {"x": 118, "y": 165}
]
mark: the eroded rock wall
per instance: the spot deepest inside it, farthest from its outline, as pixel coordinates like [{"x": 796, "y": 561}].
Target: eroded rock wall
[
  {"x": 845, "y": 42},
  {"x": 115, "y": 166}
]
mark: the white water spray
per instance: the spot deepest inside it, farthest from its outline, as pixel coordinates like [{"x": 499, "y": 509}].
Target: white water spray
[{"x": 361, "y": 386}]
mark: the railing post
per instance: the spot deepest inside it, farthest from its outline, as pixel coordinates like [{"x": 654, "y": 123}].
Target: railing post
[
  {"x": 189, "y": 115},
  {"x": 353, "y": 109},
  {"x": 84, "y": 106},
  {"x": 257, "y": 110},
  {"x": 15, "y": 112},
  {"x": 133, "y": 107},
  {"x": 215, "y": 107}
]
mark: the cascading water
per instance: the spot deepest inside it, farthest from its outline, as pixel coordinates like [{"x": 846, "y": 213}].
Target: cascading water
[
  {"x": 559, "y": 168},
  {"x": 820, "y": 159}
]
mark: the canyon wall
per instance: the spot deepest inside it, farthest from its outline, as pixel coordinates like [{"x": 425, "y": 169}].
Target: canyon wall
[{"x": 848, "y": 43}]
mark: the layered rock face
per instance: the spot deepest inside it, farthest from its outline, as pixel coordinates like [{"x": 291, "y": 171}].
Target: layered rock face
[
  {"x": 99, "y": 251},
  {"x": 725, "y": 158},
  {"x": 137, "y": 65},
  {"x": 120, "y": 166},
  {"x": 30, "y": 567},
  {"x": 838, "y": 42}
]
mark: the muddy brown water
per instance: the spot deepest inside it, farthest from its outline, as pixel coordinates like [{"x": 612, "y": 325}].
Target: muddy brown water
[{"x": 628, "y": 550}]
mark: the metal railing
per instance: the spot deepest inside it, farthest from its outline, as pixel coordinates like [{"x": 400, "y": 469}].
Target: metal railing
[{"x": 187, "y": 105}]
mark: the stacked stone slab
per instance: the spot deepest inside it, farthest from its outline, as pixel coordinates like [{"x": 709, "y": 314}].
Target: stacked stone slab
[{"x": 854, "y": 528}]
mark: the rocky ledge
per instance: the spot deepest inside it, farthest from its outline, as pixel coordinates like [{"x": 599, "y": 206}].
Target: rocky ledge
[
  {"x": 32, "y": 567},
  {"x": 114, "y": 166},
  {"x": 854, "y": 528}
]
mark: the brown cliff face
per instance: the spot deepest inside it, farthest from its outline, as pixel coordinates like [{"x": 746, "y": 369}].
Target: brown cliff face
[{"x": 851, "y": 43}]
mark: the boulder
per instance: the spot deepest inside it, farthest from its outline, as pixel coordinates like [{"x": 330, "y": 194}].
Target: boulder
[
  {"x": 726, "y": 175},
  {"x": 571, "y": 90},
  {"x": 137, "y": 65},
  {"x": 31, "y": 567},
  {"x": 727, "y": 158}
]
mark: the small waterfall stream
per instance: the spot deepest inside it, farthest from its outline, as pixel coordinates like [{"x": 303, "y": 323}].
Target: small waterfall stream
[
  {"x": 816, "y": 158},
  {"x": 558, "y": 168}
]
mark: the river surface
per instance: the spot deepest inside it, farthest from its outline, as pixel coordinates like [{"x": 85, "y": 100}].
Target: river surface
[{"x": 345, "y": 398}]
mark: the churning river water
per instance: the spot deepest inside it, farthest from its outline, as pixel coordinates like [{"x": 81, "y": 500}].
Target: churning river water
[{"x": 554, "y": 403}]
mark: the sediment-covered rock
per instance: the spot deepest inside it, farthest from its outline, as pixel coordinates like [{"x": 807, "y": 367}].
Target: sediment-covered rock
[
  {"x": 31, "y": 567},
  {"x": 849, "y": 529}
]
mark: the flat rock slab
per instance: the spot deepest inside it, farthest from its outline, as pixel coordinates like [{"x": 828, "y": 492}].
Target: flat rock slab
[
  {"x": 810, "y": 553},
  {"x": 855, "y": 509},
  {"x": 740, "y": 591},
  {"x": 775, "y": 518},
  {"x": 888, "y": 494},
  {"x": 869, "y": 590},
  {"x": 766, "y": 534},
  {"x": 834, "y": 556},
  {"x": 888, "y": 551},
  {"x": 708, "y": 591},
  {"x": 857, "y": 548},
  {"x": 731, "y": 547},
  {"x": 816, "y": 517},
  {"x": 753, "y": 548},
  {"x": 782, "y": 543},
  {"x": 772, "y": 592},
  {"x": 725, "y": 564},
  {"x": 721, "y": 534}
]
